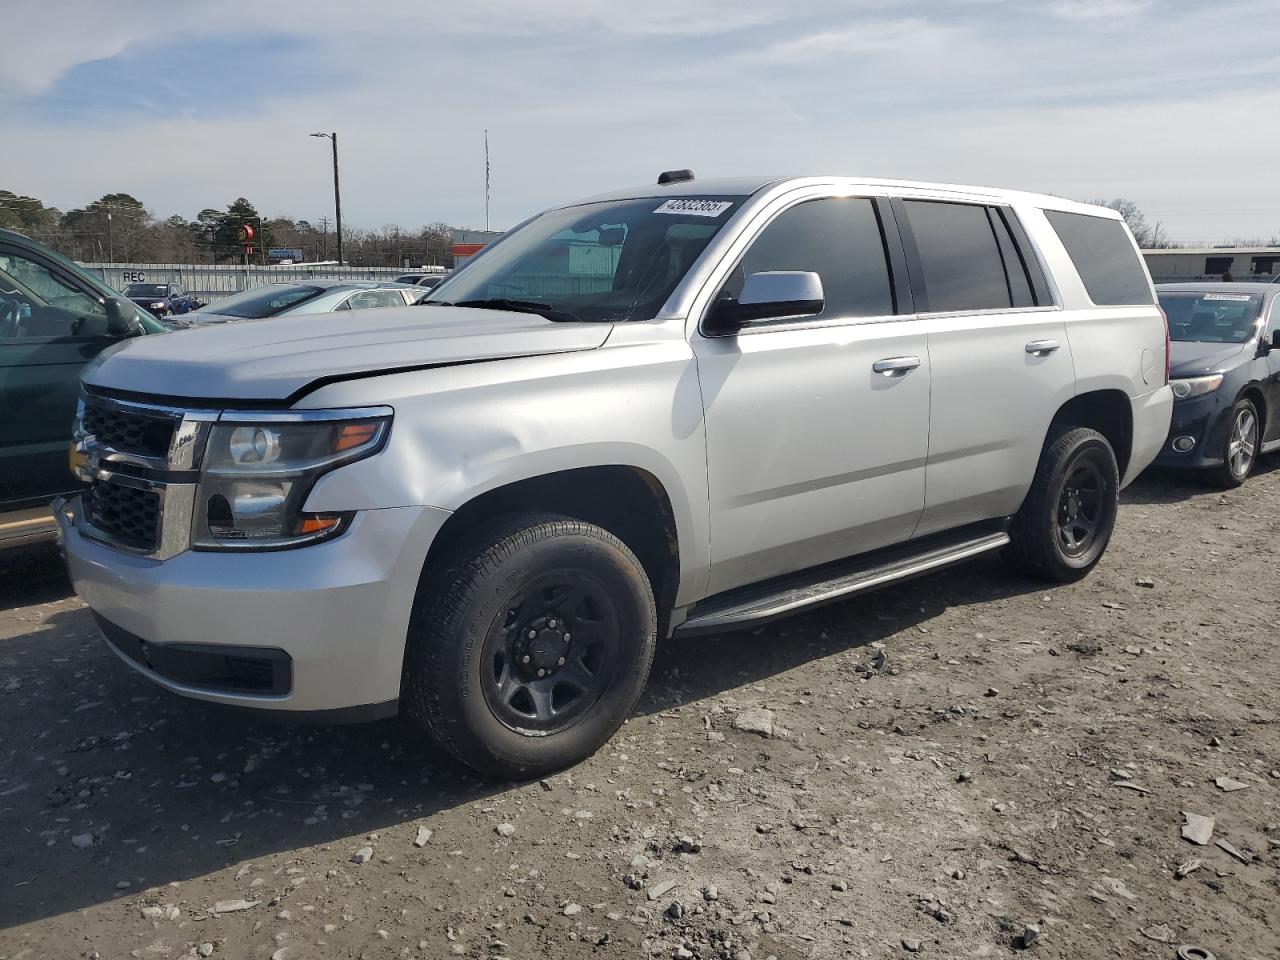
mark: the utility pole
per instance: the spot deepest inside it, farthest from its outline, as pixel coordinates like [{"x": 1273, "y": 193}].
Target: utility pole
[
  {"x": 337, "y": 193},
  {"x": 324, "y": 238},
  {"x": 110, "y": 252}
]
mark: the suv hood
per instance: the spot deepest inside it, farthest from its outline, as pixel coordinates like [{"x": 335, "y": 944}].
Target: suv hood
[
  {"x": 274, "y": 359},
  {"x": 1192, "y": 358}
]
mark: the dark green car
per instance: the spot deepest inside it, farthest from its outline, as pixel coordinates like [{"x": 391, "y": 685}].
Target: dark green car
[{"x": 54, "y": 318}]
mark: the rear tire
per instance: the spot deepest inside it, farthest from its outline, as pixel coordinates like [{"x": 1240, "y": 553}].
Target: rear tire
[
  {"x": 1066, "y": 521},
  {"x": 1240, "y": 448},
  {"x": 529, "y": 645}
]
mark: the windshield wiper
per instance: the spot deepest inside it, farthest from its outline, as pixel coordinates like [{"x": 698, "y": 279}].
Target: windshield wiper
[{"x": 518, "y": 306}]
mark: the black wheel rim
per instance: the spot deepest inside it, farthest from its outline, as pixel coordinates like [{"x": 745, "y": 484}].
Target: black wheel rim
[
  {"x": 553, "y": 656},
  {"x": 1082, "y": 508}
]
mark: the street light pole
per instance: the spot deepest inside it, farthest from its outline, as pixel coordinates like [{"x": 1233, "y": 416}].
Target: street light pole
[{"x": 337, "y": 193}]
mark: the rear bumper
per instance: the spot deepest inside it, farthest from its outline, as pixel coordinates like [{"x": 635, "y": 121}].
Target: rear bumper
[
  {"x": 1151, "y": 415},
  {"x": 321, "y": 628}
]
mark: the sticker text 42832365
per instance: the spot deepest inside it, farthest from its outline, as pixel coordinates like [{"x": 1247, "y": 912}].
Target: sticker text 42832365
[{"x": 693, "y": 207}]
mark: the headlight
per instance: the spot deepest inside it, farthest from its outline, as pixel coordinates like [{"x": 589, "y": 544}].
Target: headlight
[
  {"x": 1195, "y": 386},
  {"x": 259, "y": 469}
]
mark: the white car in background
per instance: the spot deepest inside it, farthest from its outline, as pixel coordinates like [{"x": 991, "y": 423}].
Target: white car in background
[{"x": 308, "y": 296}]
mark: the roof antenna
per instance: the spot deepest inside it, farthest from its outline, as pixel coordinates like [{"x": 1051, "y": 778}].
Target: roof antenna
[{"x": 674, "y": 176}]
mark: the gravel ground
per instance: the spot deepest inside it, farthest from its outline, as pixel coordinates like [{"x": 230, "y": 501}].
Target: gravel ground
[{"x": 968, "y": 765}]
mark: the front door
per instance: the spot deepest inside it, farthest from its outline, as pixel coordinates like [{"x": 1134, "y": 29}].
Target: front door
[
  {"x": 50, "y": 327},
  {"x": 815, "y": 445}
]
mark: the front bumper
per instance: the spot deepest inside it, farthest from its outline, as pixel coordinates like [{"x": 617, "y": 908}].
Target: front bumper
[
  {"x": 337, "y": 611},
  {"x": 1204, "y": 420}
]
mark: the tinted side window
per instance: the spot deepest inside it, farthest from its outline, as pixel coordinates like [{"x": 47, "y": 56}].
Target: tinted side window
[
  {"x": 838, "y": 239},
  {"x": 37, "y": 303},
  {"x": 1015, "y": 267},
  {"x": 963, "y": 269},
  {"x": 1104, "y": 256}
]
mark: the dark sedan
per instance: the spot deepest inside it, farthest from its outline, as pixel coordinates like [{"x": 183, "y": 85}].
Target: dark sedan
[
  {"x": 1225, "y": 374},
  {"x": 162, "y": 298}
]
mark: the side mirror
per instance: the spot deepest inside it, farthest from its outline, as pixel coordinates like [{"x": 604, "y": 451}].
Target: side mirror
[
  {"x": 122, "y": 319},
  {"x": 770, "y": 296},
  {"x": 1275, "y": 339}
]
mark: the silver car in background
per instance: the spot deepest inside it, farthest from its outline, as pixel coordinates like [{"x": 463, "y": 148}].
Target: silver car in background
[{"x": 307, "y": 296}]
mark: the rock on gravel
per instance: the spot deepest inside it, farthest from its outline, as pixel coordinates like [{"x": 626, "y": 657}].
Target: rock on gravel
[
  {"x": 424, "y": 835},
  {"x": 658, "y": 889},
  {"x": 504, "y": 829},
  {"x": 233, "y": 906},
  {"x": 1030, "y": 936},
  {"x": 363, "y": 855},
  {"x": 754, "y": 720},
  {"x": 1198, "y": 829}
]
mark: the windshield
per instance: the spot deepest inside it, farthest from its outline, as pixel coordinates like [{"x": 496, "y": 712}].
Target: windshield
[
  {"x": 1201, "y": 317},
  {"x": 265, "y": 301},
  {"x": 145, "y": 290},
  {"x": 600, "y": 261}
]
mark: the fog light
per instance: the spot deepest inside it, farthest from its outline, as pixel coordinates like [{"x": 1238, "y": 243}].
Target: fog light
[{"x": 1184, "y": 444}]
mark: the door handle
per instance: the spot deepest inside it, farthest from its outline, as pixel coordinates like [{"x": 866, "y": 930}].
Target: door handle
[
  {"x": 895, "y": 366},
  {"x": 1042, "y": 348}
]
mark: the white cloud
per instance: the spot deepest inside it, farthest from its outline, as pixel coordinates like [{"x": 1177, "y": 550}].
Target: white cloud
[
  {"x": 1100, "y": 10},
  {"x": 871, "y": 37},
  {"x": 583, "y": 96}
]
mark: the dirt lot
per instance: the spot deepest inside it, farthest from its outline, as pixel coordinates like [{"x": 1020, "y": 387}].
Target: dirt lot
[{"x": 951, "y": 761}]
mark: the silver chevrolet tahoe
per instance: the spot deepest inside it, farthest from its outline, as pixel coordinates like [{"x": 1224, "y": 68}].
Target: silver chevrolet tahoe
[{"x": 676, "y": 409}]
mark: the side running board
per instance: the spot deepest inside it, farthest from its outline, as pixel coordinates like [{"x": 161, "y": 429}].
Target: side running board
[{"x": 752, "y": 606}]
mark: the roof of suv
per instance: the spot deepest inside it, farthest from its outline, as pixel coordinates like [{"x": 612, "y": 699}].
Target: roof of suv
[{"x": 746, "y": 186}]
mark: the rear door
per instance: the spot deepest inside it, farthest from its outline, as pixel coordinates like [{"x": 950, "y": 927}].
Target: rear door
[
  {"x": 50, "y": 326},
  {"x": 815, "y": 444},
  {"x": 1000, "y": 362}
]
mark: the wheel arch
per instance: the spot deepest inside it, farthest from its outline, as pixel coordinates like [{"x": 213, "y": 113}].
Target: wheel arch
[
  {"x": 1110, "y": 412},
  {"x": 628, "y": 501},
  {"x": 1253, "y": 392}
]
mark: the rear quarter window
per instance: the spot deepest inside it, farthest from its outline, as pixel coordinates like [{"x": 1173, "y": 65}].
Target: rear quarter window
[{"x": 1104, "y": 257}]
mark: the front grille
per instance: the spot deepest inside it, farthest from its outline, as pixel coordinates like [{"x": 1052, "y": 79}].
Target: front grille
[
  {"x": 127, "y": 515},
  {"x": 128, "y": 431}
]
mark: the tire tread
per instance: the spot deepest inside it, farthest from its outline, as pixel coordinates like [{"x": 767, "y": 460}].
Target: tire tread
[{"x": 449, "y": 588}]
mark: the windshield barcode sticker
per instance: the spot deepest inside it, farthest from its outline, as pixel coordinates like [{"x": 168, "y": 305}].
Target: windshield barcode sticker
[
  {"x": 695, "y": 208},
  {"x": 1234, "y": 297}
]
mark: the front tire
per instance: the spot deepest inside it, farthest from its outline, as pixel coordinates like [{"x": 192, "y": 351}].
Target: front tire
[
  {"x": 1066, "y": 521},
  {"x": 1240, "y": 448},
  {"x": 530, "y": 645}
]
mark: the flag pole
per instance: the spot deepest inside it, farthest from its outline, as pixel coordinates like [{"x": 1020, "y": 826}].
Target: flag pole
[{"x": 486, "y": 179}]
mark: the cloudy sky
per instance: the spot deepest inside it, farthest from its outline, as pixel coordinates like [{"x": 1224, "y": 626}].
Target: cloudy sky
[{"x": 1172, "y": 103}]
